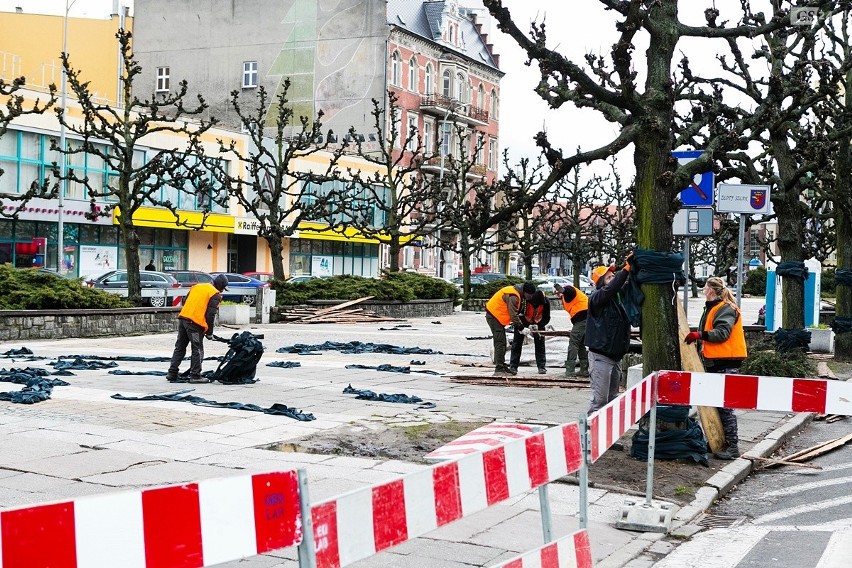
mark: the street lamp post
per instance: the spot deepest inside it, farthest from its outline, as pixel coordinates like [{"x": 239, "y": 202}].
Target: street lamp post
[
  {"x": 445, "y": 144},
  {"x": 60, "y": 229}
]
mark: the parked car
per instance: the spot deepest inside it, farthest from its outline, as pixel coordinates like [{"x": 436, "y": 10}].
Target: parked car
[
  {"x": 262, "y": 276},
  {"x": 586, "y": 284},
  {"x": 489, "y": 276},
  {"x": 474, "y": 281},
  {"x": 301, "y": 279},
  {"x": 117, "y": 280},
  {"x": 189, "y": 278},
  {"x": 237, "y": 281}
]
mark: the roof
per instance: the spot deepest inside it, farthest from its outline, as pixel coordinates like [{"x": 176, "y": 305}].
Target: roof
[{"x": 423, "y": 18}]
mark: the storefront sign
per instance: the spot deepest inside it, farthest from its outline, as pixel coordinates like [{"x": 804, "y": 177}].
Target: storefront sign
[
  {"x": 321, "y": 265},
  {"x": 246, "y": 226},
  {"x": 74, "y": 211},
  {"x": 97, "y": 260}
]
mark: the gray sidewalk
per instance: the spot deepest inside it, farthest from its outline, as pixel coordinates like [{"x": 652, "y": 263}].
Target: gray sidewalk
[{"x": 83, "y": 442}]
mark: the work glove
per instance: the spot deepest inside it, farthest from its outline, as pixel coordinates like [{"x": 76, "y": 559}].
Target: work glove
[
  {"x": 692, "y": 337},
  {"x": 533, "y": 328},
  {"x": 628, "y": 260},
  {"x": 209, "y": 337},
  {"x": 525, "y": 331}
]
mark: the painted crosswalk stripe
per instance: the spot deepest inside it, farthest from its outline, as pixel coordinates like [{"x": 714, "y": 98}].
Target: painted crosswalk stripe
[{"x": 838, "y": 551}]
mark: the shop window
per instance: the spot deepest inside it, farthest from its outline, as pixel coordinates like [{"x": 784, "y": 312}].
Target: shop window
[
  {"x": 180, "y": 238},
  {"x": 146, "y": 236},
  {"x": 89, "y": 234},
  {"x": 163, "y": 238}
]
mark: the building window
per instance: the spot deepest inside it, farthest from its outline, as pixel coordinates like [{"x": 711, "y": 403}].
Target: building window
[
  {"x": 754, "y": 242},
  {"x": 460, "y": 88},
  {"x": 492, "y": 154},
  {"x": 162, "y": 79},
  {"x": 479, "y": 148},
  {"x": 396, "y": 69},
  {"x": 411, "y": 134},
  {"x": 447, "y": 89},
  {"x": 427, "y": 78},
  {"x": 428, "y": 147},
  {"x": 480, "y": 96},
  {"x": 412, "y": 74},
  {"x": 494, "y": 104},
  {"x": 249, "y": 74},
  {"x": 396, "y": 126}
]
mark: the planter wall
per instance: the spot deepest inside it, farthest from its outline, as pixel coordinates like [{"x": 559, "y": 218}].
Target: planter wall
[
  {"x": 822, "y": 340},
  {"x": 234, "y": 314},
  {"x": 59, "y": 324}
]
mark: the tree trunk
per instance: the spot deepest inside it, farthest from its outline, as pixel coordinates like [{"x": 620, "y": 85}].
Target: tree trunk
[
  {"x": 791, "y": 240},
  {"x": 528, "y": 267},
  {"x": 393, "y": 253},
  {"x": 131, "y": 258},
  {"x": 843, "y": 226},
  {"x": 654, "y": 194},
  {"x": 276, "y": 251}
]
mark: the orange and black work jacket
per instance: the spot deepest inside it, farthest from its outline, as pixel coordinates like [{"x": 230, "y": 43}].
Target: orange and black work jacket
[
  {"x": 722, "y": 338},
  {"x": 200, "y": 305},
  {"x": 576, "y": 303},
  {"x": 503, "y": 306},
  {"x": 535, "y": 315}
]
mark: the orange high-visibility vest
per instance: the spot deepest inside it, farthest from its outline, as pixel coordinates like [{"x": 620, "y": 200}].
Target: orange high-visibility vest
[
  {"x": 533, "y": 314},
  {"x": 497, "y": 307},
  {"x": 195, "y": 304},
  {"x": 732, "y": 348},
  {"x": 577, "y": 305}
]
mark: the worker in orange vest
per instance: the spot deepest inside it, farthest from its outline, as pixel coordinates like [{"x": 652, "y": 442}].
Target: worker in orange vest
[
  {"x": 723, "y": 348},
  {"x": 502, "y": 310},
  {"x": 534, "y": 315},
  {"x": 195, "y": 322},
  {"x": 576, "y": 303}
]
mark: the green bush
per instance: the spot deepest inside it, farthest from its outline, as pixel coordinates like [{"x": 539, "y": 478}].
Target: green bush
[
  {"x": 773, "y": 364},
  {"x": 401, "y": 286},
  {"x": 827, "y": 283},
  {"x": 756, "y": 282},
  {"x": 28, "y": 289}
]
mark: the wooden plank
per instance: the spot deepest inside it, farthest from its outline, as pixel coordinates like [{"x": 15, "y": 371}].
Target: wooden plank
[
  {"x": 824, "y": 449},
  {"x": 708, "y": 416},
  {"x": 770, "y": 462},
  {"x": 343, "y": 305}
]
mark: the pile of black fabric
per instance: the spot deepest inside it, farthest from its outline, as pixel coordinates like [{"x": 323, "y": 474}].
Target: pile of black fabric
[
  {"x": 385, "y": 367},
  {"x": 384, "y": 397},
  {"x": 37, "y": 387},
  {"x": 239, "y": 364},
  {"x": 276, "y": 409},
  {"x": 678, "y": 436},
  {"x": 356, "y": 347}
]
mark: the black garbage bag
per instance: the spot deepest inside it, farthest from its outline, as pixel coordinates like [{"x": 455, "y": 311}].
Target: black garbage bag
[
  {"x": 678, "y": 436},
  {"x": 239, "y": 364}
]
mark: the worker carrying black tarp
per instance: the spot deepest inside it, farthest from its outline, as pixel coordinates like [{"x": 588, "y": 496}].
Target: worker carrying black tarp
[{"x": 195, "y": 322}]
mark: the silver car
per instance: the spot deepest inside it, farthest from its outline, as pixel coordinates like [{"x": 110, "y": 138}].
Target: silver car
[{"x": 117, "y": 280}]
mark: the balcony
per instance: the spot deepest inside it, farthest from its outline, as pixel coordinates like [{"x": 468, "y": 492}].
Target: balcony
[
  {"x": 432, "y": 165},
  {"x": 439, "y": 105}
]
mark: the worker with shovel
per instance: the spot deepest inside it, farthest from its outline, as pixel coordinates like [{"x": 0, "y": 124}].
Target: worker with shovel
[{"x": 195, "y": 322}]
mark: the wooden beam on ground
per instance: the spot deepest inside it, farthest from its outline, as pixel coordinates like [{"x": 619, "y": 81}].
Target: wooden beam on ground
[
  {"x": 769, "y": 462},
  {"x": 343, "y": 305}
]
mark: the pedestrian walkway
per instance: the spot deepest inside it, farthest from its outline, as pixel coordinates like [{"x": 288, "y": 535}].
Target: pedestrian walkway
[{"x": 83, "y": 442}]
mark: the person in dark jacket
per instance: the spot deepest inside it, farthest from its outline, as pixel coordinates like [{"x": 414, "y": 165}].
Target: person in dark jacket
[
  {"x": 195, "y": 321},
  {"x": 502, "y": 310},
  {"x": 534, "y": 314},
  {"x": 150, "y": 266},
  {"x": 723, "y": 348},
  {"x": 607, "y": 333}
]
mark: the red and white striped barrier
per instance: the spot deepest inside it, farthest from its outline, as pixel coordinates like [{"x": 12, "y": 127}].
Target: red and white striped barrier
[
  {"x": 181, "y": 526},
  {"x": 609, "y": 423},
  {"x": 366, "y": 521},
  {"x": 571, "y": 551},
  {"x": 784, "y": 394},
  {"x": 481, "y": 439}
]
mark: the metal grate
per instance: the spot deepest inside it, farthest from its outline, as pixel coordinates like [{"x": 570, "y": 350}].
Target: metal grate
[{"x": 719, "y": 521}]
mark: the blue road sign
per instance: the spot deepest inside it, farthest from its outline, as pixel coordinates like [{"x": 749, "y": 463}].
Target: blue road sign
[{"x": 699, "y": 193}]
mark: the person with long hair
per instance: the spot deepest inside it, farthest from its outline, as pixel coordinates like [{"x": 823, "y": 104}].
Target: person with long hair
[{"x": 723, "y": 348}]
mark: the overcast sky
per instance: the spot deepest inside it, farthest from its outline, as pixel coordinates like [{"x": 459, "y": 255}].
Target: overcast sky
[{"x": 576, "y": 27}]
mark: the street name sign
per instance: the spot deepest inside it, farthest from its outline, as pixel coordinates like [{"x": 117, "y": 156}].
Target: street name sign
[{"x": 746, "y": 199}]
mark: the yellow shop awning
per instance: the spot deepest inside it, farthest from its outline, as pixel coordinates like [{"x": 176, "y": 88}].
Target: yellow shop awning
[
  {"x": 189, "y": 220},
  {"x": 323, "y": 232}
]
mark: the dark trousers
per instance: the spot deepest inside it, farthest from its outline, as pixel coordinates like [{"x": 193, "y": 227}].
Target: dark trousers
[
  {"x": 189, "y": 333},
  {"x": 498, "y": 333},
  {"x": 726, "y": 415},
  {"x": 518, "y": 345},
  {"x": 577, "y": 348}
]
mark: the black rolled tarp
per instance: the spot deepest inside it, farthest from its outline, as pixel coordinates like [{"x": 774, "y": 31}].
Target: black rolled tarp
[{"x": 684, "y": 442}]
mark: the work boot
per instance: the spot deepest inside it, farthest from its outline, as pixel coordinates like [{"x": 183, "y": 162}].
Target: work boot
[
  {"x": 542, "y": 371},
  {"x": 198, "y": 380},
  {"x": 512, "y": 370},
  {"x": 731, "y": 452},
  {"x": 501, "y": 369},
  {"x": 584, "y": 371},
  {"x": 172, "y": 377}
]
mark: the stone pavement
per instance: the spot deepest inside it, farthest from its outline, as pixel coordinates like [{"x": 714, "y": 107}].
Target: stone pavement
[{"x": 83, "y": 442}]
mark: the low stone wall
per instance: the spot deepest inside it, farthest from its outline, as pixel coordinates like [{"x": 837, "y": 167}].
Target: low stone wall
[
  {"x": 478, "y": 304},
  {"x": 394, "y": 309},
  {"x": 59, "y": 324}
]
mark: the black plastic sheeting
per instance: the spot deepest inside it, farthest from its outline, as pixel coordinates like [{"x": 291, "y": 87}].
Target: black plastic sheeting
[
  {"x": 284, "y": 364},
  {"x": 239, "y": 364},
  {"x": 23, "y": 352},
  {"x": 80, "y": 364},
  {"x": 37, "y": 387},
  {"x": 355, "y": 347},
  {"x": 276, "y": 409},
  {"x": 841, "y": 325},
  {"x": 382, "y": 397},
  {"x": 672, "y": 444},
  {"x": 392, "y": 369},
  {"x": 793, "y": 268},
  {"x": 787, "y": 340},
  {"x": 150, "y": 373}
]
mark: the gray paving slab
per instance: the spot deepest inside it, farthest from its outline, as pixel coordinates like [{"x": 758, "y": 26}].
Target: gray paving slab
[{"x": 48, "y": 447}]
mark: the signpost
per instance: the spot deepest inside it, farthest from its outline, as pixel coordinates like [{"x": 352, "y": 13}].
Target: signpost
[
  {"x": 699, "y": 192},
  {"x": 746, "y": 200},
  {"x": 691, "y": 223}
]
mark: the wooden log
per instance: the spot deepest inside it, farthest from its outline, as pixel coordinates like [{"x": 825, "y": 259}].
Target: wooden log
[{"x": 708, "y": 416}]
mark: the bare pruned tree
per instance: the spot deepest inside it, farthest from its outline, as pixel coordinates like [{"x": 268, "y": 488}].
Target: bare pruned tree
[
  {"x": 140, "y": 175},
  {"x": 281, "y": 189}
]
